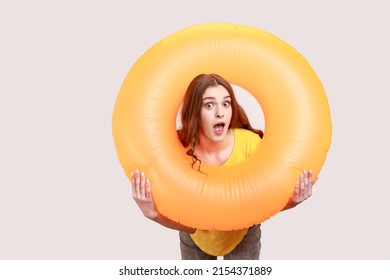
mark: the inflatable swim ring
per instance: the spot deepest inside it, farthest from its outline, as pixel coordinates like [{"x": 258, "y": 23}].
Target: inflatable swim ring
[{"x": 296, "y": 113}]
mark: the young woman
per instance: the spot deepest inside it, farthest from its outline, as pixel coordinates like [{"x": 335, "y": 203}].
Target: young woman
[{"x": 216, "y": 131}]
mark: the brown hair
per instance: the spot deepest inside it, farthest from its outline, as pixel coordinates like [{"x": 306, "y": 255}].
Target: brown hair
[{"x": 191, "y": 108}]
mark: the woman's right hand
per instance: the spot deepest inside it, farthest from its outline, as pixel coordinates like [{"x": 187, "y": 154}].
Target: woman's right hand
[{"x": 142, "y": 194}]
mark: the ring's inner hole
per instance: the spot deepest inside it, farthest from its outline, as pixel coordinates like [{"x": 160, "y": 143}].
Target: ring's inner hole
[{"x": 251, "y": 107}]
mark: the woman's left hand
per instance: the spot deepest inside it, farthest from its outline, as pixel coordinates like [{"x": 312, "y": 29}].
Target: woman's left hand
[{"x": 303, "y": 189}]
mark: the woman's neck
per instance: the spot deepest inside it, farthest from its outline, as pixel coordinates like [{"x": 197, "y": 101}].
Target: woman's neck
[{"x": 215, "y": 153}]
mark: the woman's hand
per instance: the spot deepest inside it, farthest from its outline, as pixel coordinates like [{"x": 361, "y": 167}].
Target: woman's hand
[
  {"x": 142, "y": 194},
  {"x": 303, "y": 189}
]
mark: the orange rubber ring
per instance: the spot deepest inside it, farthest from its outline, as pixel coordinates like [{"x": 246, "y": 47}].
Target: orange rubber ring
[{"x": 296, "y": 111}]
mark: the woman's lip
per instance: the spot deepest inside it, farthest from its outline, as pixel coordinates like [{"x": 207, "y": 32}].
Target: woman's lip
[{"x": 219, "y": 123}]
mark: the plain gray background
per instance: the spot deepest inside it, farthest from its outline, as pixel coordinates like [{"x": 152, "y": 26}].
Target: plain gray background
[{"x": 63, "y": 194}]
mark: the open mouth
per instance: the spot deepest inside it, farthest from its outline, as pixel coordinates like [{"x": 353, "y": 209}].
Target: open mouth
[{"x": 218, "y": 128}]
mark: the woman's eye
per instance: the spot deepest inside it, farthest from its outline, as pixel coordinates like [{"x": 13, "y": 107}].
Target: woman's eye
[
  {"x": 209, "y": 105},
  {"x": 226, "y": 104}
]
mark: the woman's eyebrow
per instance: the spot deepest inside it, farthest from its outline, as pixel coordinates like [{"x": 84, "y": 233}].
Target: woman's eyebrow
[{"x": 212, "y": 97}]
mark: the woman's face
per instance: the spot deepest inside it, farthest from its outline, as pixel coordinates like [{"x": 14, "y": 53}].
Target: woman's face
[{"x": 216, "y": 113}]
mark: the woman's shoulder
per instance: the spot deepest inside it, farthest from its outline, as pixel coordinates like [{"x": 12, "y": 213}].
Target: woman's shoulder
[
  {"x": 246, "y": 137},
  {"x": 245, "y": 141},
  {"x": 245, "y": 134}
]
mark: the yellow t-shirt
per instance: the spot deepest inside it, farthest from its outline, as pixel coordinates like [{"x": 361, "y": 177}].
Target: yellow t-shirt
[{"x": 220, "y": 243}]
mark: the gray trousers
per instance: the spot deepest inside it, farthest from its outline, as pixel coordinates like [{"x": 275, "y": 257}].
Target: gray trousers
[{"x": 247, "y": 249}]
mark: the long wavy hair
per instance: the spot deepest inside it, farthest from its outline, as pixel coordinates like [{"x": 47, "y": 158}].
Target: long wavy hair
[{"x": 191, "y": 111}]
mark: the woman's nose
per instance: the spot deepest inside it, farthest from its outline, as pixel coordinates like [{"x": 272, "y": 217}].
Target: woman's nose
[{"x": 219, "y": 112}]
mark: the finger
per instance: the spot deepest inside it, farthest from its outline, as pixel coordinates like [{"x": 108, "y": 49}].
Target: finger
[
  {"x": 307, "y": 184},
  {"x": 148, "y": 192},
  {"x": 142, "y": 185},
  {"x": 137, "y": 184},
  {"x": 296, "y": 192},
  {"x": 311, "y": 183},
  {"x": 306, "y": 177},
  {"x": 302, "y": 191},
  {"x": 133, "y": 185}
]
